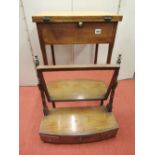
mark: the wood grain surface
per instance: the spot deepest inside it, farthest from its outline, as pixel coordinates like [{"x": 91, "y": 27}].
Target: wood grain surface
[
  {"x": 70, "y": 33},
  {"x": 73, "y": 16},
  {"x": 76, "y": 28},
  {"x": 79, "y": 89},
  {"x": 78, "y": 125}
]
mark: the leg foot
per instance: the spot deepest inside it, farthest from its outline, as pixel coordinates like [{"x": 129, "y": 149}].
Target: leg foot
[
  {"x": 109, "y": 107},
  {"x": 45, "y": 111},
  {"x": 53, "y": 104},
  {"x": 101, "y": 103}
]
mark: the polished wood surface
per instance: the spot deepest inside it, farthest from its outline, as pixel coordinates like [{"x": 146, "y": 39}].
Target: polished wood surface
[
  {"x": 70, "y": 16},
  {"x": 90, "y": 123},
  {"x": 76, "y": 28},
  {"x": 71, "y": 33},
  {"x": 80, "y": 89},
  {"x": 91, "y": 86},
  {"x": 77, "y": 125},
  {"x": 79, "y": 122}
]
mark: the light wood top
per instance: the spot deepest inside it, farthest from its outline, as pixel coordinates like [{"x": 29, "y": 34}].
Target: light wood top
[
  {"x": 80, "y": 89},
  {"x": 78, "y": 121},
  {"x": 68, "y": 16}
]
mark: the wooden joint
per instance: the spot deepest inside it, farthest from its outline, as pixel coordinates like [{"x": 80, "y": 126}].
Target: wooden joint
[
  {"x": 46, "y": 19},
  {"x": 53, "y": 103},
  {"x": 101, "y": 104},
  {"x": 107, "y": 18},
  {"x": 109, "y": 107}
]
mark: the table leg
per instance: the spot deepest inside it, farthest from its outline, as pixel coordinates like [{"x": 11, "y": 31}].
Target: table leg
[
  {"x": 96, "y": 54},
  {"x": 53, "y": 55}
]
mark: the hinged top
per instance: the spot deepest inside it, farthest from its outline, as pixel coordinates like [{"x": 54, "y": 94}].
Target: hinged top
[{"x": 76, "y": 16}]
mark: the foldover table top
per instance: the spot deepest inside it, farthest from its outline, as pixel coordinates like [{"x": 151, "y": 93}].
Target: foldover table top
[
  {"x": 78, "y": 125},
  {"x": 89, "y": 15}
]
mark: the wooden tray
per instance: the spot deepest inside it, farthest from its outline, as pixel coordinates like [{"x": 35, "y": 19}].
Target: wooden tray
[
  {"x": 78, "y": 125},
  {"x": 77, "y": 89}
]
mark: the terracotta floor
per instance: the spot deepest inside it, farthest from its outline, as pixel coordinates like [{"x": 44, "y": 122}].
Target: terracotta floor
[{"x": 31, "y": 113}]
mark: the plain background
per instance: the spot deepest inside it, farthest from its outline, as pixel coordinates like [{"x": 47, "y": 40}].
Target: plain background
[{"x": 77, "y": 54}]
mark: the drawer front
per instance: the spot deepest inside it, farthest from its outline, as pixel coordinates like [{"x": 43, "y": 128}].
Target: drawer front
[
  {"x": 71, "y": 33},
  {"x": 70, "y": 139}
]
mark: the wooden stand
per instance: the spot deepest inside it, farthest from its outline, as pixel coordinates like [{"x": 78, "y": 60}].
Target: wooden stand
[{"x": 77, "y": 125}]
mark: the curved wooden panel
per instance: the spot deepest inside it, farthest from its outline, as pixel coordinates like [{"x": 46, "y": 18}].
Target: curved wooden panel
[
  {"x": 79, "y": 89},
  {"x": 78, "y": 125}
]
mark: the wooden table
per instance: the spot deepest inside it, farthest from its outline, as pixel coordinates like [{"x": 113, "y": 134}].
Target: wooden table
[
  {"x": 76, "y": 28},
  {"x": 77, "y": 125}
]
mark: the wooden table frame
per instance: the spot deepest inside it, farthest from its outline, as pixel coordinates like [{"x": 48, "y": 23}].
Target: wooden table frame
[
  {"x": 110, "y": 90},
  {"x": 73, "y": 23},
  {"x": 59, "y": 28}
]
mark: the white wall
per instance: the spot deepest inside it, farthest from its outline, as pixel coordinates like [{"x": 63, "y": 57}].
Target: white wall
[
  {"x": 125, "y": 40},
  {"x": 27, "y": 73},
  {"x": 67, "y": 54},
  {"x": 34, "y": 6}
]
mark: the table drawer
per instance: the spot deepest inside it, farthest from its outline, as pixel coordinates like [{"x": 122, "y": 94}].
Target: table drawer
[{"x": 71, "y": 33}]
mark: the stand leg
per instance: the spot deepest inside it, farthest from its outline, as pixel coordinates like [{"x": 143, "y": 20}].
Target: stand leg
[
  {"x": 110, "y": 104},
  {"x": 53, "y": 103},
  {"x": 42, "y": 45},
  {"x": 111, "y": 45},
  {"x": 101, "y": 103},
  {"x": 53, "y": 55},
  {"x": 109, "y": 53},
  {"x": 45, "y": 108},
  {"x": 96, "y": 54}
]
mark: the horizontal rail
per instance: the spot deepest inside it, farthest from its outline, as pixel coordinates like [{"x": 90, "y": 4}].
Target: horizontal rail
[{"x": 77, "y": 67}]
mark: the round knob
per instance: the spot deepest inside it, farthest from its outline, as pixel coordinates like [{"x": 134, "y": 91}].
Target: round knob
[{"x": 80, "y": 24}]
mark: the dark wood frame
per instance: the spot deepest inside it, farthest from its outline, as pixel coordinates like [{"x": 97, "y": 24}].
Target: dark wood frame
[{"x": 110, "y": 90}]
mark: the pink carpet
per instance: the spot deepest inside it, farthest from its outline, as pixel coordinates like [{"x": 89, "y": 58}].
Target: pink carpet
[{"x": 31, "y": 113}]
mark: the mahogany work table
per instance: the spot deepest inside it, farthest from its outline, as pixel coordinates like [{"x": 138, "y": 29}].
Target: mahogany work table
[
  {"x": 76, "y": 28},
  {"x": 78, "y": 124}
]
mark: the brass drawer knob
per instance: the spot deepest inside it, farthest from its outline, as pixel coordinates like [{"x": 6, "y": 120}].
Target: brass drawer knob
[{"x": 80, "y": 24}]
